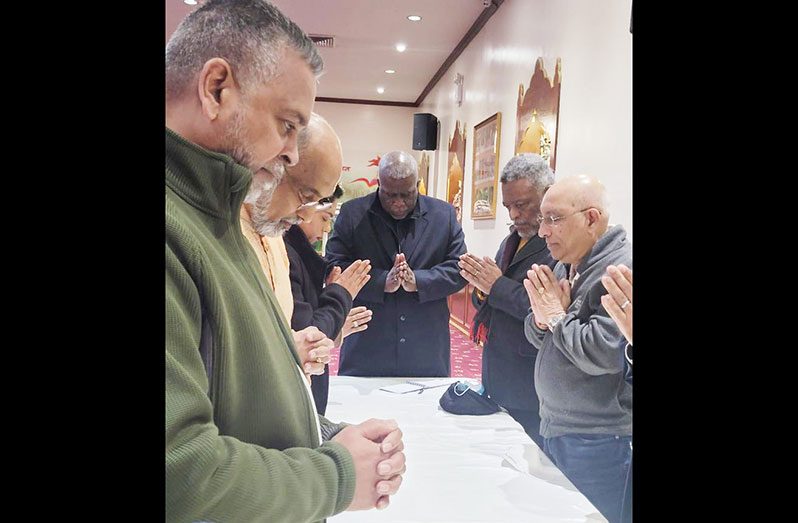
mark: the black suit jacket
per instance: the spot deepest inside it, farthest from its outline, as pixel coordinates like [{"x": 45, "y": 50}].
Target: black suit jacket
[
  {"x": 508, "y": 359},
  {"x": 322, "y": 307},
  {"x": 408, "y": 334}
]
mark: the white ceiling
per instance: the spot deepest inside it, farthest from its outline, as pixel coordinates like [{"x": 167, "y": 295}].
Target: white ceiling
[{"x": 366, "y": 32}]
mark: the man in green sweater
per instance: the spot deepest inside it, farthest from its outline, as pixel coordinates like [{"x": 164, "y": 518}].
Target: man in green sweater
[{"x": 243, "y": 439}]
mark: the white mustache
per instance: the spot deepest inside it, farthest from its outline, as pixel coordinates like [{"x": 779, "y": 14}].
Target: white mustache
[{"x": 277, "y": 168}]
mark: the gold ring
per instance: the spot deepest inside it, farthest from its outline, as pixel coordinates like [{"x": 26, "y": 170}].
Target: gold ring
[
  {"x": 541, "y": 290},
  {"x": 354, "y": 324},
  {"x": 627, "y": 302},
  {"x": 319, "y": 360}
]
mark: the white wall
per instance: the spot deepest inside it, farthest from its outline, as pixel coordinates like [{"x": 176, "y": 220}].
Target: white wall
[
  {"x": 365, "y": 132},
  {"x": 595, "y": 126}
]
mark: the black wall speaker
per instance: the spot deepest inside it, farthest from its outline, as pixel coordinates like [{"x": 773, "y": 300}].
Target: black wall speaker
[{"x": 425, "y": 132}]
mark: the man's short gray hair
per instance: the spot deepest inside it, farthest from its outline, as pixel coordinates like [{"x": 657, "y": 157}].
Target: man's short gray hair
[
  {"x": 530, "y": 166},
  {"x": 398, "y": 165},
  {"x": 251, "y": 35}
]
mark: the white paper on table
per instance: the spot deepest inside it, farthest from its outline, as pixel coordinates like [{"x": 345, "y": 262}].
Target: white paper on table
[
  {"x": 402, "y": 388},
  {"x": 415, "y": 386},
  {"x": 432, "y": 384}
]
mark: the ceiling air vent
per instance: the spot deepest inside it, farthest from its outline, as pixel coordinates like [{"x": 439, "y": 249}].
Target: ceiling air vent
[{"x": 323, "y": 40}]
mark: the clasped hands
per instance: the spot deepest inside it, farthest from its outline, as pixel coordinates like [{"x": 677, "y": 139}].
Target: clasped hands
[
  {"x": 313, "y": 348},
  {"x": 547, "y": 296},
  {"x": 482, "y": 273},
  {"x": 377, "y": 449},
  {"x": 353, "y": 278},
  {"x": 618, "y": 300},
  {"x": 400, "y": 275}
]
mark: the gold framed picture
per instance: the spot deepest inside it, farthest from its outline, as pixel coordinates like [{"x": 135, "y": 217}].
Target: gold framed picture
[
  {"x": 538, "y": 114},
  {"x": 455, "y": 168},
  {"x": 485, "y": 169},
  {"x": 423, "y": 174}
]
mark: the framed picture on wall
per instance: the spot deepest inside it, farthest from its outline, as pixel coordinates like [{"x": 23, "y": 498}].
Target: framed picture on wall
[
  {"x": 423, "y": 174},
  {"x": 455, "y": 168},
  {"x": 538, "y": 114},
  {"x": 485, "y": 169}
]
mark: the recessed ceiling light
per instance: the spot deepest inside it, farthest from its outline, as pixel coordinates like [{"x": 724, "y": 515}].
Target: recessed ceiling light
[
  {"x": 390, "y": 71},
  {"x": 401, "y": 47},
  {"x": 380, "y": 90},
  {"x": 190, "y": 2},
  {"x": 414, "y": 18}
]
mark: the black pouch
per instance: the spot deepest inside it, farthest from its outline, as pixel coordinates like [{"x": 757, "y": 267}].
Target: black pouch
[{"x": 460, "y": 399}]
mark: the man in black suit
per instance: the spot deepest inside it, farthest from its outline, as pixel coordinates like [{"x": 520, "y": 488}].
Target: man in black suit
[
  {"x": 508, "y": 359},
  {"x": 414, "y": 243}
]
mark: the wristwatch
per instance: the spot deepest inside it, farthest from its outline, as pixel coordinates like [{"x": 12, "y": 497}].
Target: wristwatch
[{"x": 554, "y": 320}]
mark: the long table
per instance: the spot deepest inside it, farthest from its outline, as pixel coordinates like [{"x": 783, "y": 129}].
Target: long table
[{"x": 459, "y": 468}]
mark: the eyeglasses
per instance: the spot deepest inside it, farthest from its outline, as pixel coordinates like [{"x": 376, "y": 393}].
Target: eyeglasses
[
  {"x": 326, "y": 202},
  {"x": 314, "y": 205},
  {"x": 554, "y": 221},
  {"x": 321, "y": 205}
]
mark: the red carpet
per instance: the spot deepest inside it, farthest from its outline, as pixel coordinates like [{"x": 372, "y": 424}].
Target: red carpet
[{"x": 466, "y": 357}]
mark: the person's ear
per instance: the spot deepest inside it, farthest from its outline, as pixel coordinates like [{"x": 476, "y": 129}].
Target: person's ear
[
  {"x": 217, "y": 89},
  {"x": 593, "y": 215}
]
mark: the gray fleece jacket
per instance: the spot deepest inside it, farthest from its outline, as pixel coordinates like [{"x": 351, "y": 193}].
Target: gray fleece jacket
[{"x": 578, "y": 372}]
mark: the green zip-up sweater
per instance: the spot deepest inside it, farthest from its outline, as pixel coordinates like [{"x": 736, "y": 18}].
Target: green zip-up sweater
[{"x": 241, "y": 439}]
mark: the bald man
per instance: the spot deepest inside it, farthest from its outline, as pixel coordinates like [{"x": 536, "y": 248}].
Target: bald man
[
  {"x": 264, "y": 218},
  {"x": 314, "y": 305},
  {"x": 585, "y": 404}
]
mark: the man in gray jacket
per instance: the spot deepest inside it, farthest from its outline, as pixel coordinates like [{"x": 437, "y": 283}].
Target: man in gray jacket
[{"x": 585, "y": 404}]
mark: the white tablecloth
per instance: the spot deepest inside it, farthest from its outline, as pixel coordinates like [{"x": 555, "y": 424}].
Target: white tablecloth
[{"x": 459, "y": 468}]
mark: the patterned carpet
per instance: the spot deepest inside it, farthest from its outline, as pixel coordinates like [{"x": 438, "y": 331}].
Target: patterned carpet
[{"x": 466, "y": 357}]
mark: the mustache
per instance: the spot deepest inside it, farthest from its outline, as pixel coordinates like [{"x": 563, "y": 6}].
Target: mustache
[{"x": 277, "y": 168}]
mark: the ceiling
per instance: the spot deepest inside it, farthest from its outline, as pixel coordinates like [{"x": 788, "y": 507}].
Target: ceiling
[{"x": 366, "y": 32}]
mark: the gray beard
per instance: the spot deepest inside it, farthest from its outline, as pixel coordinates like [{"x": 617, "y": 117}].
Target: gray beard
[
  {"x": 278, "y": 228},
  {"x": 260, "y": 197},
  {"x": 234, "y": 143},
  {"x": 525, "y": 236}
]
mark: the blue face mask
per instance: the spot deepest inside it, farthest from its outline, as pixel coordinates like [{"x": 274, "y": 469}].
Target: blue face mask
[{"x": 461, "y": 387}]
